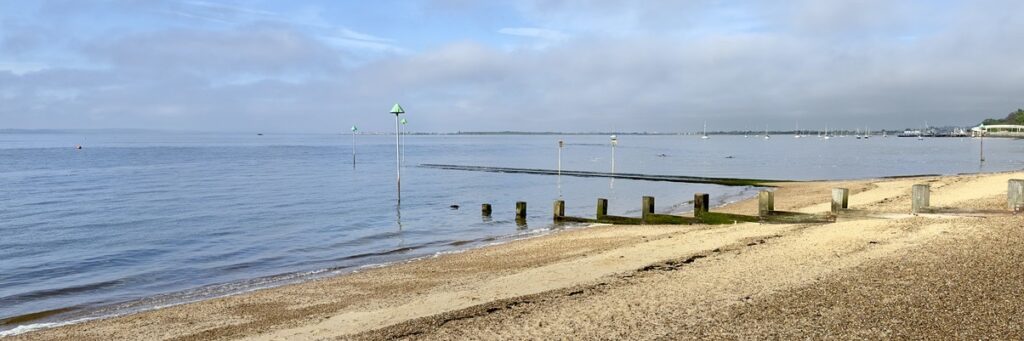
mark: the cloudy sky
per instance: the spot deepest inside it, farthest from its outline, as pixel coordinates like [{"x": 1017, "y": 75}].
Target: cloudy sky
[{"x": 567, "y": 65}]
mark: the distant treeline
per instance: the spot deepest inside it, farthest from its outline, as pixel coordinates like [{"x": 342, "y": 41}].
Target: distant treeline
[{"x": 1016, "y": 117}]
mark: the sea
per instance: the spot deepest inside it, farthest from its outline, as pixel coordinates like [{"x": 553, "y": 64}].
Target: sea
[{"x": 136, "y": 220}]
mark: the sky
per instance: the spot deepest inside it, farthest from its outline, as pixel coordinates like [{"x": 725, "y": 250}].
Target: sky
[{"x": 531, "y": 65}]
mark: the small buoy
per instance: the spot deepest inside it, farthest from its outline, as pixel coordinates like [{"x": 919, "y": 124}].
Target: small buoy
[{"x": 454, "y": 207}]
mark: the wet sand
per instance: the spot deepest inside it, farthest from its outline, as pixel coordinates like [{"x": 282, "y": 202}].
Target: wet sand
[{"x": 904, "y": 276}]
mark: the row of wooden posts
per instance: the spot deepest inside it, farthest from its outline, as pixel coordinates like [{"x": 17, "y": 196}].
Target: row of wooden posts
[
  {"x": 921, "y": 198},
  {"x": 701, "y": 213},
  {"x": 766, "y": 212}
]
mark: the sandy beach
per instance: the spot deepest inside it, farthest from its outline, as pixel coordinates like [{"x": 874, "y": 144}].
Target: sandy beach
[{"x": 886, "y": 274}]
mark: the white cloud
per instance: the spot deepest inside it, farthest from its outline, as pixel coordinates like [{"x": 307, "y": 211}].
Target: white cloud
[{"x": 793, "y": 63}]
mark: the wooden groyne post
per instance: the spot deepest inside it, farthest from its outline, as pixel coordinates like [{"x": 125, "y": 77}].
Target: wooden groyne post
[
  {"x": 765, "y": 203},
  {"x": 840, "y": 199},
  {"x": 647, "y": 209},
  {"x": 602, "y": 208},
  {"x": 559, "y": 210},
  {"x": 485, "y": 210},
  {"x": 520, "y": 210},
  {"x": 1015, "y": 195},
  {"x": 920, "y": 198},
  {"x": 701, "y": 204}
]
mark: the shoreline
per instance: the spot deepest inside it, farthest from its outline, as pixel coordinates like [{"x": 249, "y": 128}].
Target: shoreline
[
  {"x": 638, "y": 247},
  {"x": 39, "y": 320},
  {"x": 64, "y": 316}
]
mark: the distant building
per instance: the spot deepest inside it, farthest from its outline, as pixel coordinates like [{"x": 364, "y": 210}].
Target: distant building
[{"x": 998, "y": 130}]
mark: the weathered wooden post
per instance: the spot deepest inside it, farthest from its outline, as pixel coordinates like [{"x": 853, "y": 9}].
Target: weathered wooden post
[
  {"x": 647, "y": 209},
  {"x": 602, "y": 207},
  {"x": 765, "y": 203},
  {"x": 485, "y": 210},
  {"x": 520, "y": 210},
  {"x": 700, "y": 204},
  {"x": 920, "y": 197},
  {"x": 559, "y": 210},
  {"x": 840, "y": 199},
  {"x": 1015, "y": 195}
]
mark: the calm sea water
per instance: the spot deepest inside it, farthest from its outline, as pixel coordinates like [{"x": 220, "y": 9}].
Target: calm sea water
[{"x": 142, "y": 219}]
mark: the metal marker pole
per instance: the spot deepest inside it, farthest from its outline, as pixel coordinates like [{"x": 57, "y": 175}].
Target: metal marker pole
[
  {"x": 615, "y": 142},
  {"x": 404, "y": 137},
  {"x": 560, "y": 144},
  {"x": 983, "y": 147},
  {"x": 397, "y": 110},
  {"x": 398, "y": 158},
  {"x": 354, "y": 129}
]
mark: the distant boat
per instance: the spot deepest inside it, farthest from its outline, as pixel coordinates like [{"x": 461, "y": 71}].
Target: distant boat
[
  {"x": 766, "y": 136},
  {"x": 910, "y": 133},
  {"x": 259, "y": 134},
  {"x": 797, "y": 130},
  {"x": 866, "y": 133},
  {"x": 705, "y": 136}
]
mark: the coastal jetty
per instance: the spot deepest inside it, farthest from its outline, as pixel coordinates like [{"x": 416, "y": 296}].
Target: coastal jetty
[
  {"x": 628, "y": 176},
  {"x": 701, "y": 214},
  {"x": 767, "y": 214}
]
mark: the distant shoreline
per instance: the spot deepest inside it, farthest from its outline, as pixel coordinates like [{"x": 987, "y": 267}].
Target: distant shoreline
[{"x": 804, "y": 133}]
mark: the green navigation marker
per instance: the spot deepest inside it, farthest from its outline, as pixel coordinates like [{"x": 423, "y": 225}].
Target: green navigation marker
[{"x": 397, "y": 109}]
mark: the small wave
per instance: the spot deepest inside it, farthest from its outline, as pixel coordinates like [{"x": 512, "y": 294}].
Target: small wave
[
  {"x": 39, "y": 326},
  {"x": 63, "y": 291}
]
